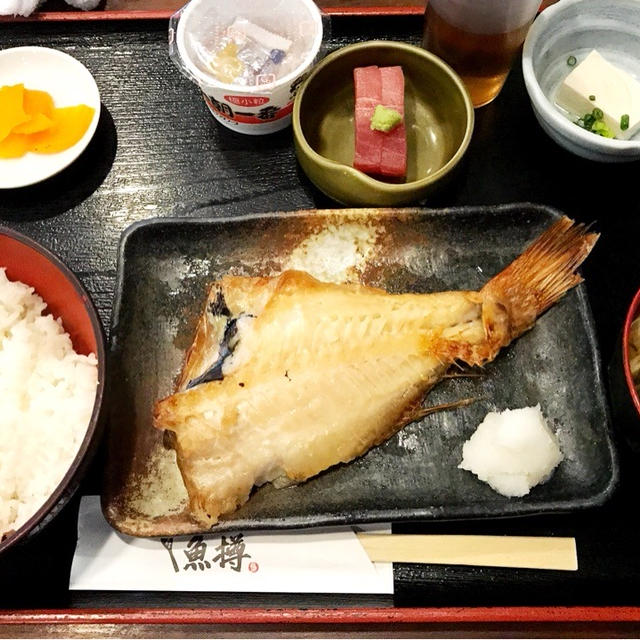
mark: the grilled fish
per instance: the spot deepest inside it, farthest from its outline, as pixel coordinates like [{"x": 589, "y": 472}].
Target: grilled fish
[{"x": 288, "y": 376}]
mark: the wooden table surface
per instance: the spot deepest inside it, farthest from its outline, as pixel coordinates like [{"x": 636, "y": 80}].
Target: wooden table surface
[{"x": 158, "y": 152}]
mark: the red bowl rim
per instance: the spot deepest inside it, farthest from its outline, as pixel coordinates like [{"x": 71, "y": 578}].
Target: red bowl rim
[
  {"x": 96, "y": 326},
  {"x": 631, "y": 315}
]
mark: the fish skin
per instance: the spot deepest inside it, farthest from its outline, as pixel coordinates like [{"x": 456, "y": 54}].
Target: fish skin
[{"x": 324, "y": 371}]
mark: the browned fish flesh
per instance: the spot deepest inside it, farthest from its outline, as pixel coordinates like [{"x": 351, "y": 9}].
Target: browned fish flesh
[{"x": 288, "y": 376}]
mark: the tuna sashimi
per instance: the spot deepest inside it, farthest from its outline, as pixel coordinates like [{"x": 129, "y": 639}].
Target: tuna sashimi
[
  {"x": 368, "y": 92},
  {"x": 393, "y": 159},
  {"x": 379, "y": 152}
]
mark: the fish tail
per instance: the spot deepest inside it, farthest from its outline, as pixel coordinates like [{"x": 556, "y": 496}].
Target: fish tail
[{"x": 535, "y": 280}]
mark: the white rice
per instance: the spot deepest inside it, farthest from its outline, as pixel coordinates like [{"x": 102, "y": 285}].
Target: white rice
[{"x": 47, "y": 393}]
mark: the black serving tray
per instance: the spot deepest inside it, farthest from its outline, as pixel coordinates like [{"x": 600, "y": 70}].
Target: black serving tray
[{"x": 164, "y": 271}]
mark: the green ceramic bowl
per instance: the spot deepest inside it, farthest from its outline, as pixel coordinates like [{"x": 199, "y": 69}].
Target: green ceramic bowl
[{"x": 438, "y": 118}]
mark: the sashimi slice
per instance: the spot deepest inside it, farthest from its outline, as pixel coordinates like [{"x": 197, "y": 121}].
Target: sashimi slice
[
  {"x": 379, "y": 152},
  {"x": 393, "y": 158},
  {"x": 367, "y": 83},
  {"x": 392, "y": 88},
  {"x": 368, "y": 93}
]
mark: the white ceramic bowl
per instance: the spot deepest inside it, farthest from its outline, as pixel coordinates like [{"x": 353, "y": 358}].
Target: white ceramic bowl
[
  {"x": 575, "y": 27},
  {"x": 69, "y": 83}
]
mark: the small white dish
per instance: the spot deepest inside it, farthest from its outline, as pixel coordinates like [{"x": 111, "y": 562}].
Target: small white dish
[
  {"x": 69, "y": 83},
  {"x": 573, "y": 28}
]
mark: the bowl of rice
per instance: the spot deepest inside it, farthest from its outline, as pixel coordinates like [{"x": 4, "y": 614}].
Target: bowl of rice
[
  {"x": 52, "y": 383},
  {"x": 624, "y": 375}
]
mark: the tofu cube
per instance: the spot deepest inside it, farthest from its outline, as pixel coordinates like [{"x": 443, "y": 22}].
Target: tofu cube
[{"x": 615, "y": 92}]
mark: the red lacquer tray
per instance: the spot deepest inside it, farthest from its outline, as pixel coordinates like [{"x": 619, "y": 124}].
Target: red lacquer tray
[
  {"x": 534, "y": 619},
  {"x": 163, "y": 9},
  {"x": 608, "y": 539}
]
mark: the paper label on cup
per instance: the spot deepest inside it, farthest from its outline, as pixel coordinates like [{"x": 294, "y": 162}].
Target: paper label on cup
[
  {"x": 249, "y": 114},
  {"x": 247, "y": 101}
]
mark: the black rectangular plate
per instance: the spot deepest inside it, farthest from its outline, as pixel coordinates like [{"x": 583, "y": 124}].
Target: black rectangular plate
[{"x": 165, "y": 266}]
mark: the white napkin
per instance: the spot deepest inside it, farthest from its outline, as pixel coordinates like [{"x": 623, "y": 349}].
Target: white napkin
[
  {"x": 27, "y": 7},
  {"x": 18, "y": 7},
  {"x": 329, "y": 560}
]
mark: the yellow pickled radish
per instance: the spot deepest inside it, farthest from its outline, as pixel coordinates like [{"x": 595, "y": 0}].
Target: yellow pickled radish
[
  {"x": 14, "y": 145},
  {"x": 39, "y": 122},
  {"x": 29, "y": 121},
  {"x": 69, "y": 125},
  {"x": 12, "y": 111},
  {"x": 37, "y": 102}
]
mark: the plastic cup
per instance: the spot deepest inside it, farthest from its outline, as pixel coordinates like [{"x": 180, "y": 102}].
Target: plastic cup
[
  {"x": 194, "y": 34},
  {"x": 479, "y": 39}
]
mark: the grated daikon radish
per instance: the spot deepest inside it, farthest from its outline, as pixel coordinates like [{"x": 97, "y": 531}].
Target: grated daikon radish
[{"x": 513, "y": 451}]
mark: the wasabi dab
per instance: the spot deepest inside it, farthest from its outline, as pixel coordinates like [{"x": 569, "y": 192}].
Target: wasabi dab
[{"x": 385, "y": 119}]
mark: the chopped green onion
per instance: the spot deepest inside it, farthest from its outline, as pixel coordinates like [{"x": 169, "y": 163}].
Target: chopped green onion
[
  {"x": 571, "y": 61},
  {"x": 624, "y": 121},
  {"x": 592, "y": 97},
  {"x": 594, "y": 122},
  {"x": 601, "y": 129}
]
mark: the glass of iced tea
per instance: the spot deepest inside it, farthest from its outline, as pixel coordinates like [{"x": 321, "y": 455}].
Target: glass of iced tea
[{"x": 479, "y": 39}]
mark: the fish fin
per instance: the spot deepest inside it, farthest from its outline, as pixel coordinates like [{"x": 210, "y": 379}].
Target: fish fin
[
  {"x": 463, "y": 373},
  {"x": 535, "y": 280},
  {"x": 421, "y": 412}
]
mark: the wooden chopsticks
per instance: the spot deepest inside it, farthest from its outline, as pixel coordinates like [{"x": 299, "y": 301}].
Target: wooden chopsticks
[{"x": 483, "y": 551}]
